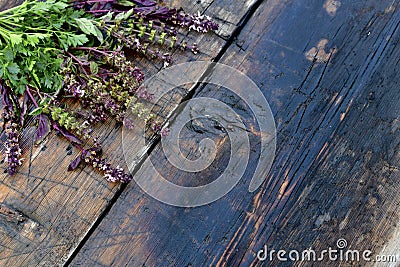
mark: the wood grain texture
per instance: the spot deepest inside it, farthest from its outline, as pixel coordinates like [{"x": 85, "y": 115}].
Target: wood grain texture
[
  {"x": 330, "y": 74},
  {"x": 57, "y": 208}
]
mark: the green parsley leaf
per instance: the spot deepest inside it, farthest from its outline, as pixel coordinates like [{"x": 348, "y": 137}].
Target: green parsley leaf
[{"x": 13, "y": 68}]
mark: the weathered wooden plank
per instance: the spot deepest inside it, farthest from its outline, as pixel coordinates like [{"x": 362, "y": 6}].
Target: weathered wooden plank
[
  {"x": 58, "y": 208},
  {"x": 330, "y": 73}
]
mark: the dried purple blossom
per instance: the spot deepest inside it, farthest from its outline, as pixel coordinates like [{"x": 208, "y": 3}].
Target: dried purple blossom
[
  {"x": 6, "y": 114},
  {"x": 11, "y": 120},
  {"x": 197, "y": 22},
  {"x": 73, "y": 87},
  {"x": 165, "y": 132},
  {"x": 143, "y": 94},
  {"x": 111, "y": 174},
  {"x": 13, "y": 151},
  {"x": 157, "y": 127},
  {"x": 138, "y": 74},
  {"x": 143, "y": 47},
  {"x": 151, "y": 10}
]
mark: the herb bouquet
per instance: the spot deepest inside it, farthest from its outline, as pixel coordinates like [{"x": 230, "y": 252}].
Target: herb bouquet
[{"x": 51, "y": 50}]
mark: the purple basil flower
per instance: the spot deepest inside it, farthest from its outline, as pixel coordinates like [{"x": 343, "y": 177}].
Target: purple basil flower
[
  {"x": 73, "y": 87},
  {"x": 110, "y": 174},
  {"x": 197, "y": 22},
  {"x": 164, "y": 132},
  {"x": 143, "y": 94},
  {"x": 13, "y": 151}
]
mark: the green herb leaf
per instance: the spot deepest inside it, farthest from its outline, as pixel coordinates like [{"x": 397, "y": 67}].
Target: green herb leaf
[
  {"x": 36, "y": 111},
  {"x": 77, "y": 40},
  {"x": 8, "y": 54},
  {"x": 125, "y": 3},
  {"x": 94, "y": 68},
  {"x": 15, "y": 38},
  {"x": 99, "y": 35},
  {"x": 124, "y": 15},
  {"x": 13, "y": 68},
  {"x": 86, "y": 26}
]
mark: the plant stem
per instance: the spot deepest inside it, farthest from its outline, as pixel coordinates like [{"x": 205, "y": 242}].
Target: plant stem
[
  {"x": 78, "y": 61},
  {"x": 91, "y": 49},
  {"x": 31, "y": 96},
  {"x": 78, "y": 146}
]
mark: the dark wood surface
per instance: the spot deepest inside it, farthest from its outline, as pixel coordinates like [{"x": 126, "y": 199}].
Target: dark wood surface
[
  {"x": 52, "y": 210},
  {"x": 330, "y": 72}
]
